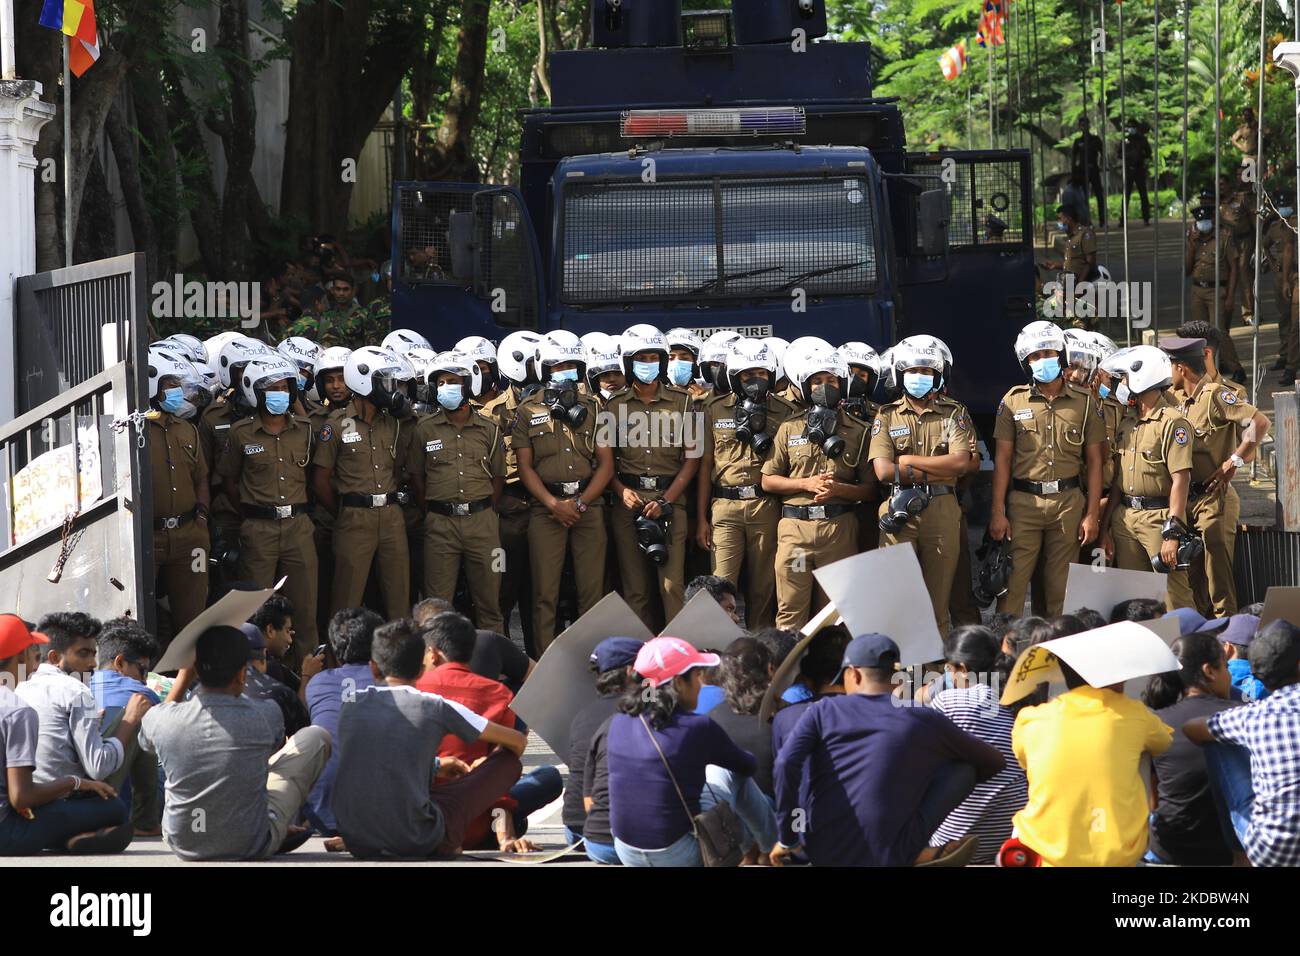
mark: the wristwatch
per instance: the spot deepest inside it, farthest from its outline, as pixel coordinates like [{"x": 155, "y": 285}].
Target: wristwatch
[
  {"x": 580, "y": 505},
  {"x": 1237, "y": 460}
]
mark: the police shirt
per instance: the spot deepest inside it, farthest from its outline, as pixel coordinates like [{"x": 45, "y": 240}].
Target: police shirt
[
  {"x": 458, "y": 463},
  {"x": 1079, "y": 245},
  {"x": 271, "y": 469},
  {"x": 1111, "y": 413},
  {"x": 650, "y": 438},
  {"x": 899, "y": 429},
  {"x": 1203, "y": 257},
  {"x": 214, "y": 428},
  {"x": 735, "y": 463},
  {"x": 795, "y": 455},
  {"x": 1217, "y": 411},
  {"x": 1049, "y": 436},
  {"x": 1278, "y": 236},
  {"x": 561, "y": 452},
  {"x": 1150, "y": 448},
  {"x": 176, "y": 462},
  {"x": 503, "y": 410},
  {"x": 365, "y": 458}
]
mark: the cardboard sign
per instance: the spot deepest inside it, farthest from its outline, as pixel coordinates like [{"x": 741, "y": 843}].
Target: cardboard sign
[
  {"x": 785, "y": 674},
  {"x": 884, "y": 591},
  {"x": 1104, "y": 656},
  {"x": 234, "y": 609},
  {"x": 562, "y": 682},
  {"x": 1101, "y": 588},
  {"x": 1281, "y": 603},
  {"x": 704, "y": 624}
]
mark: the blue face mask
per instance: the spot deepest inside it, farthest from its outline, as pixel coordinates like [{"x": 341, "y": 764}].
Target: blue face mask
[
  {"x": 172, "y": 400},
  {"x": 1286, "y": 212},
  {"x": 302, "y": 382},
  {"x": 679, "y": 371},
  {"x": 1103, "y": 391},
  {"x": 1046, "y": 370},
  {"x": 1062, "y": 227},
  {"x": 565, "y": 375},
  {"x": 277, "y": 403},
  {"x": 1204, "y": 226},
  {"x": 450, "y": 397},
  {"x": 918, "y": 384},
  {"x": 645, "y": 372}
]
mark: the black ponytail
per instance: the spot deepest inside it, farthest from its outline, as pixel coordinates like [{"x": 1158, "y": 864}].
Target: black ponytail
[{"x": 1193, "y": 651}]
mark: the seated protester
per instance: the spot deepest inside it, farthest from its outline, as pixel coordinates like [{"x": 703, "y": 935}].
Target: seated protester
[
  {"x": 351, "y": 631},
  {"x": 657, "y": 750},
  {"x": 1024, "y": 633},
  {"x": 260, "y": 686},
  {"x": 806, "y": 685},
  {"x": 1001, "y": 622},
  {"x": 390, "y": 732},
  {"x": 1137, "y": 610},
  {"x": 1185, "y": 828},
  {"x": 721, "y": 590},
  {"x": 1090, "y": 619},
  {"x": 779, "y": 641},
  {"x": 495, "y": 655},
  {"x": 1189, "y": 620},
  {"x": 1063, "y": 625},
  {"x": 711, "y": 694},
  {"x": 35, "y": 816},
  {"x": 71, "y": 743},
  {"x": 450, "y": 641},
  {"x": 275, "y": 618},
  {"x": 1081, "y": 751},
  {"x": 1236, "y": 639},
  {"x": 975, "y": 670},
  {"x": 226, "y": 760},
  {"x": 820, "y": 671},
  {"x": 881, "y": 778},
  {"x": 586, "y": 793},
  {"x": 1258, "y": 773}
]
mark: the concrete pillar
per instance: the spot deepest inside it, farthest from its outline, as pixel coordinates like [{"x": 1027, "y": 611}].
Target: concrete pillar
[{"x": 22, "y": 114}]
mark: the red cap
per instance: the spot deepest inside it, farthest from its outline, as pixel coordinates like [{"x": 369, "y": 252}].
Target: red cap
[
  {"x": 16, "y": 636},
  {"x": 663, "y": 658}
]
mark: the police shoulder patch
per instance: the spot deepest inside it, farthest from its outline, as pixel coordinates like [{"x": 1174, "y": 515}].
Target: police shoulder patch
[
  {"x": 875, "y": 427},
  {"x": 1180, "y": 435},
  {"x": 326, "y": 432},
  {"x": 1228, "y": 396}
]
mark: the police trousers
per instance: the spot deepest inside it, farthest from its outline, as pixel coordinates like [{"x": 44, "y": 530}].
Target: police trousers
[
  {"x": 1137, "y": 540},
  {"x": 936, "y": 533},
  {"x": 269, "y": 549},
  {"x": 801, "y": 547},
  {"x": 1046, "y": 526},
  {"x": 476, "y": 540},
  {"x": 180, "y": 558},
  {"x": 548, "y": 540},
  {"x": 642, "y": 578},
  {"x": 744, "y": 534},
  {"x": 1213, "y": 584},
  {"x": 371, "y": 536},
  {"x": 513, "y": 517}
]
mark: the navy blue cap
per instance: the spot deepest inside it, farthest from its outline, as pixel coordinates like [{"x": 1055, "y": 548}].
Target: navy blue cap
[
  {"x": 1189, "y": 620},
  {"x": 615, "y": 652},
  {"x": 1239, "y": 629},
  {"x": 870, "y": 650},
  {"x": 256, "y": 639}
]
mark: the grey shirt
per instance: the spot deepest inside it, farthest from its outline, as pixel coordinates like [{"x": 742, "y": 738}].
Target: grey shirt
[
  {"x": 387, "y": 740},
  {"x": 19, "y": 728},
  {"x": 214, "y": 750},
  {"x": 70, "y": 744}
]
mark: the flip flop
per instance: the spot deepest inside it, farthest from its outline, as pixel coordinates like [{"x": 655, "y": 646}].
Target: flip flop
[
  {"x": 295, "y": 840},
  {"x": 108, "y": 840},
  {"x": 954, "y": 854}
]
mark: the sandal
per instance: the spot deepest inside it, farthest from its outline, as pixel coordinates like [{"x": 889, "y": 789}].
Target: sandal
[
  {"x": 954, "y": 853},
  {"x": 108, "y": 840}
]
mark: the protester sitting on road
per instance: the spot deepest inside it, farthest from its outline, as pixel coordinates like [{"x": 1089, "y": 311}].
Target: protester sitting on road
[
  {"x": 1024, "y": 634},
  {"x": 1185, "y": 828},
  {"x": 35, "y": 816},
  {"x": 1137, "y": 610},
  {"x": 1090, "y": 619},
  {"x": 1257, "y": 773},
  {"x": 233, "y": 783},
  {"x": 261, "y": 686},
  {"x": 1236, "y": 638},
  {"x": 819, "y": 674},
  {"x": 586, "y": 793},
  {"x": 882, "y": 777},
  {"x": 275, "y": 618},
  {"x": 657, "y": 752},
  {"x": 721, "y": 590},
  {"x": 495, "y": 655},
  {"x": 975, "y": 670},
  {"x": 779, "y": 641},
  {"x": 390, "y": 731}
]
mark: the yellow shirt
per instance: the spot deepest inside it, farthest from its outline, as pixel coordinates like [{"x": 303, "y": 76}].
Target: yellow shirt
[{"x": 1087, "y": 804}]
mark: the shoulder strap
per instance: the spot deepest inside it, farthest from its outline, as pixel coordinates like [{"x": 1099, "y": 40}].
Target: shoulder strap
[{"x": 680, "y": 796}]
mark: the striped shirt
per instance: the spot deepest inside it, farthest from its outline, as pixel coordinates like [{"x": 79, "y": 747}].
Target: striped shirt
[{"x": 987, "y": 812}]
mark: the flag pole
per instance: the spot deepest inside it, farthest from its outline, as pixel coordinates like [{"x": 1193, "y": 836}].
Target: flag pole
[{"x": 67, "y": 153}]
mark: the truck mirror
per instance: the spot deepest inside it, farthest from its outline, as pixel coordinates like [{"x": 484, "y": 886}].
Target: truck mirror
[
  {"x": 934, "y": 212},
  {"x": 460, "y": 242}
]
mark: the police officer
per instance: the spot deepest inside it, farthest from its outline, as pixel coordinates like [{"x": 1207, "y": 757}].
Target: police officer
[
  {"x": 819, "y": 467},
  {"x": 1078, "y": 253},
  {"x": 485, "y": 354},
  {"x": 517, "y": 363},
  {"x": 712, "y": 359},
  {"x": 1153, "y": 461},
  {"x": 566, "y": 472},
  {"x": 1137, "y": 157},
  {"x": 684, "y": 362},
  {"x": 263, "y": 468},
  {"x": 1279, "y": 251},
  {"x": 457, "y": 466},
  {"x": 1237, "y": 209},
  {"x": 739, "y": 527},
  {"x": 604, "y": 365},
  {"x": 924, "y": 439},
  {"x": 653, "y": 468},
  {"x": 1047, "y": 433},
  {"x": 864, "y": 372},
  {"x": 1228, "y": 430},
  {"x": 1210, "y": 302},
  {"x": 181, "y": 492},
  {"x": 303, "y": 352},
  {"x": 796, "y": 355},
  {"x": 356, "y": 475}
]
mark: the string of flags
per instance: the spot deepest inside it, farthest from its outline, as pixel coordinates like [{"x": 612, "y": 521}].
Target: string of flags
[
  {"x": 989, "y": 33},
  {"x": 76, "y": 18}
]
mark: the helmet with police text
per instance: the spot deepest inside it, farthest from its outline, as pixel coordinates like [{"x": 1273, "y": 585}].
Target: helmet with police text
[
  {"x": 638, "y": 339},
  {"x": 263, "y": 371},
  {"x": 1038, "y": 337},
  {"x": 814, "y": 361},
  {"x": 189, "y": 346},
  {"x": 303, "y": 352},
  {"x": 913, "y": 356},
  {"x": 478, "y": 348},
  {"x": 517, "y": 358},
  {"x": 860, "y": 355},
  {"x": 237, "y": 353},
  {"x": 371, "y": 370},
  {"x": 746, "y": 355},
  {"x": 602, "y": 356},
  {"x": 399, "y": 340},
  {"x": 1147, "y": 367},
  {"x": 559, "y": 347},
  {"x": 714, "y": 352},
  {"x": 166, "y": 363},
  {"x": 925, "y": 340},
  {"x": 682, "y": 372},
  {"x": 461, "y": 365},
  {"x": 1105, "y": 346},
  {"x": 778, "y": 346},
  {"x": 419, "y": 359},
  {"x": 1081, "y": 350},
  {"x": 684, "y": 339},
  {"x": 208, "y": 375},
  {"x": 799, "y": 349}
]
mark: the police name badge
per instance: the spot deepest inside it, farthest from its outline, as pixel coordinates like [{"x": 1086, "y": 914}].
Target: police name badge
[
  {"x": 539, "y": 419},
  {"x": 899, "y": 432},
  {"x": 1024, "y": 414},
  {"x": 350, "y": 437},
  {"x": 254, "y": 449},
  {"x": 434, "y": 445},
  {"x": 723, "y": 423},
  {"x": 796, "y": 440}
]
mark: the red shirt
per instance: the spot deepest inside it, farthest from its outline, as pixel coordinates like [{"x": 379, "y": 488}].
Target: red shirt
[{"x": 486, "y": 697}]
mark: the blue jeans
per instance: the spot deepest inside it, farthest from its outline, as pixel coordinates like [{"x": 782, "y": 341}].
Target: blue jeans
[
  {"x": 684, "y": 852},
  {"x": 56, "y": 823},
  {"x": 596, "y": 852},
  {"x": 533, "y": 791},
  {"x": 755, "y": 808},
  {"x": 1234, "y": 794},
  {"x": 952, "y": 784}
]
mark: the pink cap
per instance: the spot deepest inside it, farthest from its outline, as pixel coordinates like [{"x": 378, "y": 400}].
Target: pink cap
[{"x": 663, "y": 658}]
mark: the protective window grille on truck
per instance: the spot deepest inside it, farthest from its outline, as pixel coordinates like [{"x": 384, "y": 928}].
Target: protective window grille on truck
[
  {"x": 718, "y": 238},
  {"x": 981, "y": 190},
  {"x": 503, "y": 276},
  {"x": 427, "y": 219}
]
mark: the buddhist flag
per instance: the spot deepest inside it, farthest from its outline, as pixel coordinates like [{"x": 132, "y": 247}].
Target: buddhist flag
[
  {"x": 76, "y": 18},
  {"x": 953, "y": 61},
  {"x": 990, "y": 30}
]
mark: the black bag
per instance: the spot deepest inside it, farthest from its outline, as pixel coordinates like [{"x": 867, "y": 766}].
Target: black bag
[{"x": 718, "y": 830}]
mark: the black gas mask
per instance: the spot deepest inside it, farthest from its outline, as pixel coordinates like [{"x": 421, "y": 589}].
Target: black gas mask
[
  {"x": 652, "y": 534},
  {"x": 562, "y": 400},
  {"x": 994, "y": 572},
  {"x": 1190, "y": 545},
  {"x": 751, "y": 425},
  {"x": 906, "y": 502},
  {"x": 386, "y": 393},
  {"x": 819, "y": 427}
]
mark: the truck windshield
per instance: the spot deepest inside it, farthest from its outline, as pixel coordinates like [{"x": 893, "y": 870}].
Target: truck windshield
[{"x": 717, "y": 238}]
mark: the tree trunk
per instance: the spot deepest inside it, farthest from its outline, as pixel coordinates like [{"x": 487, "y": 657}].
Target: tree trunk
[
  {"x": 545, "y": 27},
  {"x": 123, "y": 141},
  {"x": 196, "y": 172},
  {"x": 454, "y": 159},
  {"x": 159, "y": 170},
  {"x": 237, "y": 128}
]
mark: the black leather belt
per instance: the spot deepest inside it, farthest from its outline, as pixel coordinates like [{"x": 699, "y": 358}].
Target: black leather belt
[
  {"x": 368, "y": 501},
  {"x": 1145, "y": 502},
  {"x": 459, "y": 509},
  {"x": 936, "y": 491},
  {"x": 172, "y": 523},
  {"x": 1045, "y": 487},
  {"x": 814, "y": 512},
  {"x": 516, "y": 489},
  {"x": 647, "y": 482},
  {"x": 567, "y": 489},
  {"x": 274, "y": 512},
  {"x": 1207, "y": 284},
  {"x": 738, "y": 492}
]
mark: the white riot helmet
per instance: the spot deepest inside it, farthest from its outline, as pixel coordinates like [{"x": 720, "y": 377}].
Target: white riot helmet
[
  {"x": 334, "y": 358},
  {"x": 714, "y": 353},
  {"x": 457, "y": 363},
  {"x": 213, "y": 346},
  {"x": 209, "y": 377},
  {"x": 421, "y": 360},
  {"x": 925, "y": 340},
  {"x": 198, "y": 393},
  {"x": 863, "y": 355},
  {"x": 814, "y": 361},
  {"x": 558, "y": 347},
  {"x": 399, "y": 340},
  {"x": 602, "y": 356},
  {"x": 685, "y": 338},
  {"x": 303, "y": 352},
  {"x": 1146, "y": 367},
  {"x": 190, "y": 346},
  {"x": 910, "y": 355},
  {"x": 642, "y": 338},
  {"x": 265, "y": 370},
  {"x": 749, "y": 354},
  {"x": 517, "y": 358},
  {"x": 591, "y": 340},
  {"x": 1037, "y": 337},
  {"x": 480, "y": 350},
  {"x": 237, "y": 352},
  {"x": 376, "y": 375},
  {"x": 798, "y": 351},
  {"x": 164, "y": 362},
  {"x": 1081, "y": 350},
  {"x": 1106, "y": 347},
  {"x": 778, "y": 346}
]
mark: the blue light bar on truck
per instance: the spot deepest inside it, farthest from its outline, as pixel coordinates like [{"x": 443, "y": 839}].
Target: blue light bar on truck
[{"x": 746, "y": 121}]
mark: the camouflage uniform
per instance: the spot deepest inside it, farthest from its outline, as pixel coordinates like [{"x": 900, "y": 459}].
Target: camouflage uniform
[{"x": 353, "y": 326}]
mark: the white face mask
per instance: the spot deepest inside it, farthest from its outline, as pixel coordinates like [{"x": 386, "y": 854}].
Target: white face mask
[{"x": 1122, "y": 394}]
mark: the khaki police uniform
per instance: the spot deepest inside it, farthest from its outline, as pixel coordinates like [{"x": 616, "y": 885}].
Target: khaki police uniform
[
  {"x": 899, "y": 429},
  {"x": 459, "y": 464},
  {"x": 1046, "y": 503},
  {"x": 743, "y": 517},
  {"x": 1238, "y": 211},
  {"x": 649, "y": 451},
  {"x": 1217, "y": 411},
  {"x": 1076, "y": 249},
  {"x": 180, "y": 541},
  {"x": 275, "y": 536},
  {"x": 810, "y": 534},
  {"x": 564, "y": 458},
  {"x": 513, "y": 516},
  {"x": 1149, "y": 449},
  {"x": 365, "y": 466},
  {"x": 323, "y": 527},
  {"x": 1279, "y": 239},
  {"x": 1208, "y": 303},
  {"x": 214, "y": 429},
  {"x": 865, "y": 510}
]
